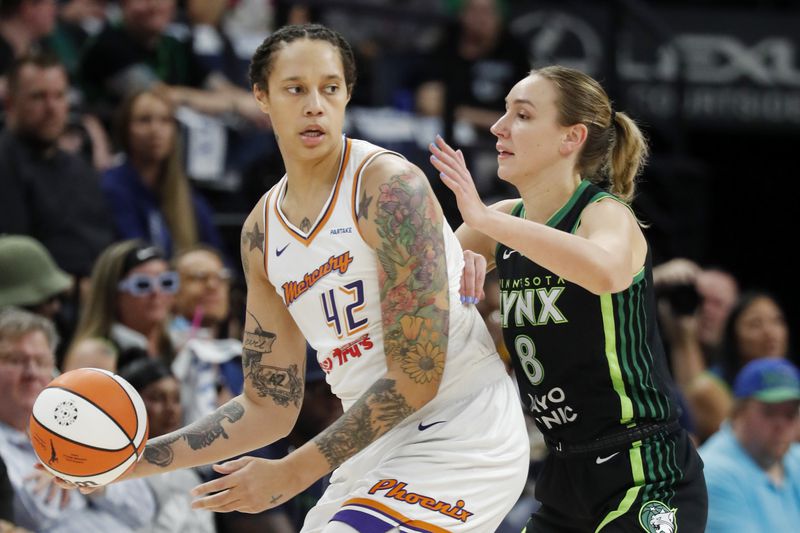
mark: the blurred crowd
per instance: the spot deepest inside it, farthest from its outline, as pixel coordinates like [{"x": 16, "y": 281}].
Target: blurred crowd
[{"x": 131, "y": 150}]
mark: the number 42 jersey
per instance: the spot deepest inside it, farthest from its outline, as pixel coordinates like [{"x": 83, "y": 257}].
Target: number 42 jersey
[{"x": 328, "y": 280}]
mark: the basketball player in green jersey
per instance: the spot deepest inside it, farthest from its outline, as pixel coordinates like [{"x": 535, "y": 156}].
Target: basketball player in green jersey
[{"x": 577, "y": 310}]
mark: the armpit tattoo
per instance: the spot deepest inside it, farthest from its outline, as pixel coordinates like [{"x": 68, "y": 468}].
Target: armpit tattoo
[
  {"x": 376, "y": 412},
  {"x": 199, "y": 435}
]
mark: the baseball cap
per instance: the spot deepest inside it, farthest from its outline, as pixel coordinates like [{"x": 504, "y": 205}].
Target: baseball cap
[
  {"x": 28, "y": 273},
  {"x": 769, "y": 380}
]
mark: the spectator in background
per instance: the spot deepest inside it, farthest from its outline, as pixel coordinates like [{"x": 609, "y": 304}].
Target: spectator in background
[
  {"x": 129, "y": 301},
  {"x": 6, "y": 497},
  {"x": 23, "y": 24},
  {"x": 160, "y": 392},
  {"x": 77, "y": 22},
  {"x": 756, "y": 328},
  {"x": 27, "y": 363},
  {"x": 476, "y": 64},
  {"x": 140, "y": 54},
  {"x": 208, "y": 364},
  {"x": 210, "y": 43},
  {"x": 91, "y": 353},
  {"x": 30, "y": 278},
  {"x": 149, "y": 193},
  {"x": 47, "y": 193},
  {"x": 693, "y": 306},
  {"x": 752, "y": 465}
]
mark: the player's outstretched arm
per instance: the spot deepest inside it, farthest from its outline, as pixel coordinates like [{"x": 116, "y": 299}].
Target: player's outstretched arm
[
  {"x": 601, "y": 256},
  {"x": 274, "y": 372}
]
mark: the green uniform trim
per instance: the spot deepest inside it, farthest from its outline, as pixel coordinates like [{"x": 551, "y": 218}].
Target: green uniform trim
[
  {"x": 637, "y": 469},
  {"x": 610, "y": 330}
]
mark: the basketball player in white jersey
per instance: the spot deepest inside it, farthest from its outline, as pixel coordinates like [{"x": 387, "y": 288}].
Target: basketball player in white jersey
[{"x": 350, "y": 252}]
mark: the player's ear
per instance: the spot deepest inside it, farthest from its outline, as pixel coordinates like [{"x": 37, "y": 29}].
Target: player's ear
[
  {"x": 262, "y": 97},
  {"x": 572, "y": 138}
]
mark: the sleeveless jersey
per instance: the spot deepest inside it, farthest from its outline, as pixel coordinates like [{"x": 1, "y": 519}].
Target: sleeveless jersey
[
  {"x": 586, "y": 365},
  {"x": 328, "y": 280}
]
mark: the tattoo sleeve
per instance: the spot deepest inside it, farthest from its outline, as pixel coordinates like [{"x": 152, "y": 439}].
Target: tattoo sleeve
[
  {"x": 413, "y": 277},
  {"x": 199, "y": 435},
  {"x": 283, "y": 385},
  {"x": 415, "y": 309}
]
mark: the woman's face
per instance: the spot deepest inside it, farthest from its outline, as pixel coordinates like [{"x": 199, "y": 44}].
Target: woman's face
[
  {"x": 151, "y": 129},
  {"x": 306, "y": 99},
  {"x": 761, "y": 331},
  {"x": 529, "y": 137},
  {"x": 147, "y": 311},
  {"x": 162, "y": 399}
]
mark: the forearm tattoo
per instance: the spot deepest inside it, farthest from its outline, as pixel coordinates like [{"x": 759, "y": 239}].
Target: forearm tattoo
[
  {"x": 199, "y": 435},
  {"x": 283, "y": 385},
  {"x": 376, "y": 412},
  {"x": 413, "y": 277}
]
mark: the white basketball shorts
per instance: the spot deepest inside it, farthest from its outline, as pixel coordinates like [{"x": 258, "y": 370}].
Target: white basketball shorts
[{"x": 457, "y": 467}]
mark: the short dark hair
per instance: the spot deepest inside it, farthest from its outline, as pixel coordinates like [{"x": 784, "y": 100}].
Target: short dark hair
[
  {"x": 42, "y": 60},
  {"x": 261, "y": 64}
]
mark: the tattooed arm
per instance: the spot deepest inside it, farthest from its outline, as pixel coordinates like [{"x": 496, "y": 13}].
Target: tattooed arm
[
  {"x": 273, "y": 361},
  {"x": 401, "y": 219}
]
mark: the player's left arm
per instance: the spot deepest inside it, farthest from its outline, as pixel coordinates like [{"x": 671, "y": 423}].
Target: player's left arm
[{"x": 400, "y": 218}]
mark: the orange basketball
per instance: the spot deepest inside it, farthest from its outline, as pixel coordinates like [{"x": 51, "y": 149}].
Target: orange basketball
[{"x": 88, "y": 426}]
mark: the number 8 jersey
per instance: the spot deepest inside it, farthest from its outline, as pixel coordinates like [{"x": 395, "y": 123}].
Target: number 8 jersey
[{"x": 328, "y": 280}]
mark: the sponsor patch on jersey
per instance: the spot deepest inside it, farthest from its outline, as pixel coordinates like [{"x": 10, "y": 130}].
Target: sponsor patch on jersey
[
  {"x": 342, "y": 354},
  {"x": 339, "y": 231},
  {"x": 292, "y": 290},
  {"x": 396, "y": 490}
]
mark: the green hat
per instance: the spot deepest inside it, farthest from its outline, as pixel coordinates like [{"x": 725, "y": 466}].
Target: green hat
[{"x": 28, "y": 274}]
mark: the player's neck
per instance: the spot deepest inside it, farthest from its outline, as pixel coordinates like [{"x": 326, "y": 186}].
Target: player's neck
[
  {"x": 312, "y": 178},
  {"x": 546, "y": 194}
]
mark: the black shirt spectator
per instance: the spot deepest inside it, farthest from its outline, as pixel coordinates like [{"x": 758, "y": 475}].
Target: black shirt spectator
[
  {"x": 116, "y": 63},
  {"x": 47, "y": 193}
]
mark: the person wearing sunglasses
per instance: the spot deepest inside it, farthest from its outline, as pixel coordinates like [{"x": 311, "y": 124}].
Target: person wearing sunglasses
[
  {"x": 208, "y": 363},
  {"x": 131, "y": 293}
]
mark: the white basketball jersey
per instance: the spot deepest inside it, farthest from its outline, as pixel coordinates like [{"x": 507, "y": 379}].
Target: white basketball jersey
[{"x": 328, "y": 280}]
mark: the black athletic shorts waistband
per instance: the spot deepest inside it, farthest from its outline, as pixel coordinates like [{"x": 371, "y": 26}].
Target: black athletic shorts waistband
[{"x": 613, "y": 441}]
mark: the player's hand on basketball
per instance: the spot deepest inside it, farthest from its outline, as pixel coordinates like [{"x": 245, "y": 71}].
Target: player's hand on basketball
[
  {"x": 44, "y": 484},
  {"x": 43, "y": 473},
  {"x": 250, "y": 485},
  {"x": 472, "y": 277},
  {"x": 454, "y": 173}
]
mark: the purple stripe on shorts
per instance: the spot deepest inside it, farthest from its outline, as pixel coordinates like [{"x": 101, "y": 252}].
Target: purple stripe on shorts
[
  {"x": 363, "y": 522},
  {"x": 403, "y": 526}
]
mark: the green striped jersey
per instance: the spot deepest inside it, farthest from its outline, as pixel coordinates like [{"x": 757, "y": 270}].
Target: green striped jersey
[{"x": 587, "y": 365}]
